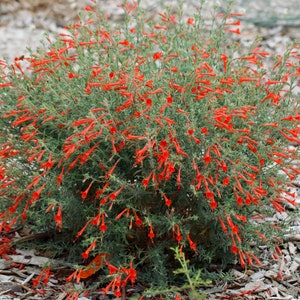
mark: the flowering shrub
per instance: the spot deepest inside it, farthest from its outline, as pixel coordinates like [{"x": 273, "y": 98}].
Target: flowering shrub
[{"x": 142, "y": 138}]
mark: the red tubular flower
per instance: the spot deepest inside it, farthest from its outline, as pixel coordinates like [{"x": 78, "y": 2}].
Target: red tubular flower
[
  {"x": 84, "y": 157},
  {"x": 73, "y": 75},
  {"x": 262, "y": 236},
  {"x": 59, "y": 179},
  {"x": 178, "y": 148},
  {"x": 58, "y": 218},
  {"x": 117, "y": 285},
  {"x": 204, "y": 130},
  {"x": 208, "y": 193},
  {"x": 131, "y": 7},
  {"x": 81, "y": 231},
  {"x": 213, "y": 204},
  {"x": 168, "y": 202},
  {"x": 226, "y": 181},
  {"x": 236, "y": 31},
  {"x": 108, "y": 174},
  {"x": 138, "y": 221},
  {"x": 192, "y": 244},
  {"x": 249, "y": 259},
  {"x": 169, "y": 99},
  {"x": 85, "y": 193},
  {"x": 207, "y": 157},
  {"x": 22, "y": 119},
  {"x": 236, "y": 23},
  {"x": 5, "y": 84},
  {"x": 100, "y": 192},
  {"x": 160, "y": 27},
  {"x": 112, "y": 269},
  {"x": 131, "y": 274},
  {"x": 151, "y": 234},
  {"x": 224, "y": 58},
  {"x": 36, "y": 194},
  {"x": 72, "y": 276},
  {"x": 145, "y": 181},
  {"x": 34, "y": 156},
  {"x": 174, "y": 69},
  {"x": 148, "y": 102},
  {"x": 124, "y": 211},
  {"x": 234, "y": 249},
  {"x": 293, "y": 138},
  {"x": 178, "y": 180},
  {"x": 196, "y": 140},
  {"x": 239, "y": 186},
  {"x": 177, "y": 235},
  {"x": 258, "y": 262},
  {"x": 73, "y": 163},
  {"x": 28, "y": 137},
  {"x": 96, "y": 220},
  {"x": 85, "y": 254},
  {"x": 48, "y": 164},
  {"x": 190, "y": 21},
  {"x": 277, "y": 205},
  {"x": 45, "y": 274},
  {"x": 103, "y": 226},
  {"x": 114, "y": 195},
  {"x": 112, "y": 129},
  {"x": 69, "y": 150},
  {"x": 34, "y": 182},
  {"x": 36, "y": 281},
  {"x": 223, "y": 225},
  {"x": 89, "y": 8},
  {"x": 157, "y": 55},
  {"x": 242, "y": 258}
]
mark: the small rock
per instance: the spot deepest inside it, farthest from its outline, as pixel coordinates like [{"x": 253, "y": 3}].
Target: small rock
[
  {"x": 292, "y": 248},
  {"x": 271, "y": 274},
  {"x": 4, "y": 264},
  {"x": 297, "y": 259},
  {"x": 258, "y": 275},
  {"x": 281, "y": 215},
  {"x": 294, "y": 266}
]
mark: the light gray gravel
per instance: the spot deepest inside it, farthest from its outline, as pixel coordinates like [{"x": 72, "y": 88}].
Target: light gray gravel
[{"x": 23, "y": 22}]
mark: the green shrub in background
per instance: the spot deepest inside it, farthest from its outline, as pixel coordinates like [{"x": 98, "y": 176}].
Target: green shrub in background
[{"x": 146, "y": 137}]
